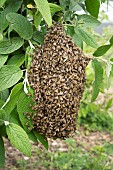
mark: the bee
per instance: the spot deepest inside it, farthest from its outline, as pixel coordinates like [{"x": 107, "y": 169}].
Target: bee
[{"x": 57, "y": 76}]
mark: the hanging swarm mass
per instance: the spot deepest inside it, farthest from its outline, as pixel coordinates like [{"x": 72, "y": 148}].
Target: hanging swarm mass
[{"x": 57, "y": 75}]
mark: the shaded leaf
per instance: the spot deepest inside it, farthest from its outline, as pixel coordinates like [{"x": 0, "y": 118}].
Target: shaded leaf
[
  {"x": 98, "y": 78},
  {"x": 7, "y": 47},
  {"x": 32, "y": 137},
  {"x": 17, "y": 60},
  {"x": 92, "y": 7},
  {"x": 54, "y": 8},
  {"x": 21, "y": 25},
  {"x": 3, "y": 130},
  {"x": 111, "y": 40},
  {"x": 2, "y": 153},
  {"x": 77, "y": 39},
  {"x": 64, "y": 4},
  {"x": 3, "y": 59},
  {"x": 87, "y": 37},
  {"x": 42, "y": 139},
  {"x": 1, "y": 103},
  {"x": 44, "y": 8},
  {"x": 14, "y": 117},
  {"x": 101, "y": 50},
  {"x": 4, "y": 94},
  {"x": 3, "y": 116},
  {"x": 24, "y": 110},
  {"x": 19, "y": 138},
  {"x": 75, "y": 5},
  {"x": 9, "y": 75},
  {"x": 38, "y": 37},
  {"x": 12, "y": 7},
  {"x": 28, "y": 57}
]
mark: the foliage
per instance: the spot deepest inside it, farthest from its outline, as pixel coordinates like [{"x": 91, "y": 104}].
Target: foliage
[
  {"x": 22, "y": 27},
  {"x": 93, "y": 117}
]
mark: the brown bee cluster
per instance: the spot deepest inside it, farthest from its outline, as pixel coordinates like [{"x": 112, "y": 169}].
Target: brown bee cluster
[{"x": 57, "y": 75}]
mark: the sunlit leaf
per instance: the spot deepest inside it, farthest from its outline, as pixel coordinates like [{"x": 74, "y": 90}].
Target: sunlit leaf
[
  {"x": 9, "y": 75},
  {"x": 87, "y": 37},
  {"x": 44, "y": 8},
  {"x": 3, "y": 59},
  {"x": 19, "y": 138},
  {"x": 7, "y": 47}
]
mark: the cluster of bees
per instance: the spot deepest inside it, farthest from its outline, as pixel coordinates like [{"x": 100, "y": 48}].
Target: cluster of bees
[{"x": 57, "y": 75}]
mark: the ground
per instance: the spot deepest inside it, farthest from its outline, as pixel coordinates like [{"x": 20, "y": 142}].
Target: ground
[{"x": 83, "y": 139}]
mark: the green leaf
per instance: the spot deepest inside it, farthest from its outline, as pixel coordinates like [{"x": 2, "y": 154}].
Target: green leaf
[
  {"x": 14, "y": 117},
  {"x": 3, "y": 59},
  {"x": 77, "y": 39},
  {"x": 109, "y": 104},
  {"x": 101, "y": 50},
  {"x": 42, "y": 139},
  {"x": 74, "y": 33},
  {"x": 38, "y": 37},
  {"x": 111, "y": 40},
  {"x": 88, "y": 20},
  {"x": 37, "y": 19},
  {"x": 13, "y": 98},
  {"x": 9, "y": 75},
  {"x": 19, "y": 138},
  {"x": 102, "y": 1},
  {"x": 3, "y": 116},
  {"x": 7, "y": 47},
  {"x": 2, "y": 2},
  {"x": 54, "y": 8},
  {"x": 1, "y": 103},
  {"x": 44, "y": 8},
  {"x": 1, "y": 37},
  {"x": 87, "y": 37},
  {"x": 98, "y": 78},
  {"x": 12, "y": 7},
  {"x": 4, "y": 94},
  {"x": 74, "y": 5},
  {"x": 3, "y": 130},
  {"x": 21, "y": 25},
  {"x": 28, "y": 57},
  {"x": 92, "y": 7},
  {"x": 32, "y": 137},
  {"x": 2, "y": 153},
  {"x": 24, "y": 111},
  {"x": 17, "y": 60},
  {"x": 64, "y": 4}
]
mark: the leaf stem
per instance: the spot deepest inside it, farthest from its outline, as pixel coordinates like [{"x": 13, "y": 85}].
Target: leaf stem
[{"x": 25, "y": 82}]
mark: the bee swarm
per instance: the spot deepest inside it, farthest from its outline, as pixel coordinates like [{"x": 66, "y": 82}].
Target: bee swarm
[{"x": 57, "y": 75}]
